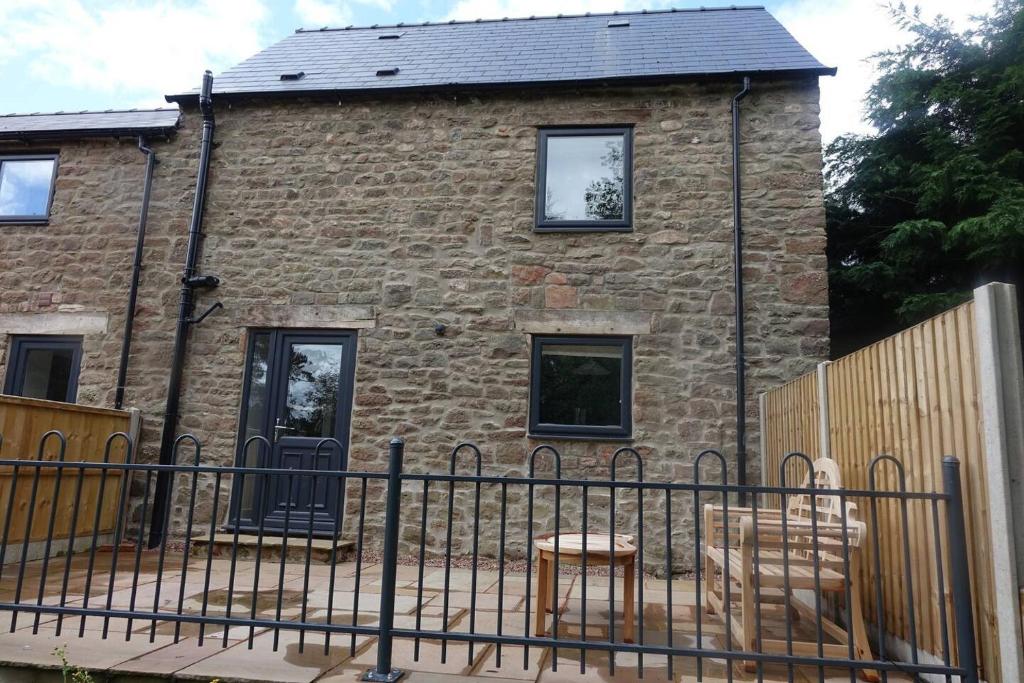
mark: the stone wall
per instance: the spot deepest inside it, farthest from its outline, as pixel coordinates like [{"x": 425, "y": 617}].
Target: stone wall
[
  {"x": 396, "y": 215},
  {"x": 71, "y": 276},
  {"x": 391, "y": 216}
]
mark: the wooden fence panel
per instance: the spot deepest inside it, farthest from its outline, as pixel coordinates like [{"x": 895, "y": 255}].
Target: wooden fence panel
[
  {"x": 790, "y": 422},
  {"x": 914, "y": 395},
  {"x": 22, "y": 422}
]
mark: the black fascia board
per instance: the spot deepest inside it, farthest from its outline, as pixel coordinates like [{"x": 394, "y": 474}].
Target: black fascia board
[{"x": 660, "y": 79}]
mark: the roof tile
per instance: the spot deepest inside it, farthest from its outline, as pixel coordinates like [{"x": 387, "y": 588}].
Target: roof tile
[{"x": 657, "y": 44}]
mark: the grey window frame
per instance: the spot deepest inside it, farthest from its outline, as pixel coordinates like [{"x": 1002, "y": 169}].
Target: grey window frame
[
  {"x": 49, "y": 156},
  {"x": 19, "y": 347},
  {"x": 621, "y": 432},
  {"x": 624, "y": 224}
]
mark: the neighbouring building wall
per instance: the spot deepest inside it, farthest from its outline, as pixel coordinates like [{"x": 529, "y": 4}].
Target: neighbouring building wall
[
  {"x": 70, "y": 276},
  {"x": 394, "y": 215}
]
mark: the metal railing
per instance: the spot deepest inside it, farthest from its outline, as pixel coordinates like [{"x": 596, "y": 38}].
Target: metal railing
[{"x": 668, "y": 522}]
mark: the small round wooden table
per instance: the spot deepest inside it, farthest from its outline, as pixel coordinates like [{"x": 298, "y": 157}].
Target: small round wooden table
[{"x": 599, "y": 551}]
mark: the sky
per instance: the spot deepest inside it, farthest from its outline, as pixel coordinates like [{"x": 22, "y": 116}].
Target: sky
[{"x": 71, "y": 55}]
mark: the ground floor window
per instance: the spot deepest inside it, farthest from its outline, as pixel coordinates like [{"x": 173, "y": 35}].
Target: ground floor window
[
  {"x": 581, "y": 387},
  {"x": 44, "y": 367}
]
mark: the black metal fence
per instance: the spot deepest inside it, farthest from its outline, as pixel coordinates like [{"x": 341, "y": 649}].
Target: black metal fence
[{"x": 767, "y": 561}]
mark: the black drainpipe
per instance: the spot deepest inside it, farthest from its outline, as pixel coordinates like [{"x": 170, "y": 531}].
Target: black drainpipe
[
  {"x": 189, "y": 282},
  {"x": 737, "y": 250},
  {"x": 133, "y": 290}
]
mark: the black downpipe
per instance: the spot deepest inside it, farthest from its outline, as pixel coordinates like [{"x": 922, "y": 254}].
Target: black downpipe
[
  {"x": 737, "y": 250},
  {"x": 186, "y": 304},
  {"x": 133, "y": 290}
]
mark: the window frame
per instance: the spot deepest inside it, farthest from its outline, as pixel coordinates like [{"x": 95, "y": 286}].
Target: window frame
[
  {"x": 48, "y": 156},
  {"x": 621, "y": 432},
  {"x": 17, "y": 353},
  {"x": 624, "y": 224}
]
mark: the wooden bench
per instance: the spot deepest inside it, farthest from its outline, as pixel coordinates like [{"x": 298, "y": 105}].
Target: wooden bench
[{"x": 790, "y": 549}]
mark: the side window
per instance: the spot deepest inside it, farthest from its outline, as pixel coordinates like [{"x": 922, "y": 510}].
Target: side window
[
  {"x": 44, "y": 367},
  {"x": 584, "y": 179},
  {"x": 26, "y": 187},
  {"x": 581, "y": 386}
]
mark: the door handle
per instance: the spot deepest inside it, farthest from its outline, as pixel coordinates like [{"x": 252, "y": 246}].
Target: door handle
[{"x": 281, "y": 428}]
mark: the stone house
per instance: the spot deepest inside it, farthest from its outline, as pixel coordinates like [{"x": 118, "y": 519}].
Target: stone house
[{"x": 511, "y": 232}]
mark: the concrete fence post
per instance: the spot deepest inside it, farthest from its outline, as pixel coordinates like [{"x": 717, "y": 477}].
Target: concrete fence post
[{"x": 1001, "y": 395}]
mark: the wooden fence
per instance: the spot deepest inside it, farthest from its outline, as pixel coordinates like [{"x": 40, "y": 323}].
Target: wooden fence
[
  {"x": 918, "y": 395},
  {"x": 22, "y": 422}
]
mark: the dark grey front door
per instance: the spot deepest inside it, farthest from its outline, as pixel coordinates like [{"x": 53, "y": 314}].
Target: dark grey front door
[{"x": 298, "y": 393}]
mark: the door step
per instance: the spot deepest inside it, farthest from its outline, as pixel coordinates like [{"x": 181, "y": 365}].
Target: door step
[{"x": 248, "y": 547}]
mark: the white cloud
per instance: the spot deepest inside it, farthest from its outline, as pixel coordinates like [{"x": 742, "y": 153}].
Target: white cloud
[
  {"x": 844, "y": 34},
  {"x": 317, "y": 13},
  {"x": 120, "y": 46}
]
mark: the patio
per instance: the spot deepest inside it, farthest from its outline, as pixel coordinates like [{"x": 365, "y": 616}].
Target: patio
[{"x": 25, "y": 656}]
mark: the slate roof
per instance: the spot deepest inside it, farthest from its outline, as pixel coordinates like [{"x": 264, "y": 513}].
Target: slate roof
[
  {"x": 89, "y": 124},
  {"x": 662, "y": 45}
]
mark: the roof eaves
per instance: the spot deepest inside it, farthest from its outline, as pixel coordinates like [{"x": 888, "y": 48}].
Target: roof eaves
[
  {"x": 77, "y": 133},
  {"x": 660, "y": 79}
]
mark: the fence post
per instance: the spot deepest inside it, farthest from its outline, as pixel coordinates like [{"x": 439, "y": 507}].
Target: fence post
[
  {"x": 824, "y": 435},
  {"x": 960, "y": 578},
  {"x": 384, "y": 673},
  {"x": 1000, "y": 392}
]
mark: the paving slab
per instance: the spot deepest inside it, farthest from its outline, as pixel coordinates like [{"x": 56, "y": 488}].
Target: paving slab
[
  {"x": 89, "y": 652},
  {"x": 171, "y": 658},
  {"x": 457, "y": 661},
  {"x": 263, "y": 663}
]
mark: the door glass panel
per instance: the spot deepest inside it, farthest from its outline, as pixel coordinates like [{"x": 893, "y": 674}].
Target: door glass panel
[
  {"x": 256, "y": 408},
  {"x": 255, "y": 419},
  {"x": 311, "y": 399},
  {"x": 48, "y": 374}
]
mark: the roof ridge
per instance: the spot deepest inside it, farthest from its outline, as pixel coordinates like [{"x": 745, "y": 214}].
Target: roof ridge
[
  {"x": 451, "y": 22},
  {"x": 89, "y": 111}
]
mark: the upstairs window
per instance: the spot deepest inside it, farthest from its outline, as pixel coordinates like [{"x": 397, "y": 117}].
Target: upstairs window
[
  {"x": 584, "y": 179},
  {"x": 581, "y": 387},
  {"x": 26, "y": 187},
  {"x": 44, "y": 367}
]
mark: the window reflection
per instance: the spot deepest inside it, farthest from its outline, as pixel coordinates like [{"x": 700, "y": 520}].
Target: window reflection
[
  {"x": 25, "y": 187},
  {"x": 584, "y": 178},
  {"x": 256, "y": 408},
  {"x": 581, "y": 385},
  {"x": 48, "y": 374},
  {"x": 312, "y": 396}
]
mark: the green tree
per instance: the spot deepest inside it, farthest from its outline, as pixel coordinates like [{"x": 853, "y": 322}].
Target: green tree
[
  {"x": 604, "y": 197},
  {"x": 932, "y": 204}
]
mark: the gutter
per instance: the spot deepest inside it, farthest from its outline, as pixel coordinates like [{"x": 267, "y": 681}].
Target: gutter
[
  {"x": 737, "y": 251},
  {"x": 662, "y": 79},
  {"x": 133, "y": 290},
  {"x": 165, "y": 132},
  {"x": 190, "y": 281}
]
